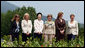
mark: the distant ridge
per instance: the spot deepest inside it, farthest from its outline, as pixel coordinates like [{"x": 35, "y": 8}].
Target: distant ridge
[{"x": 5, "y": 6}]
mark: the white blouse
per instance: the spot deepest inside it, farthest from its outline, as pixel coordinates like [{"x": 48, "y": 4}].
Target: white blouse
[
  {"x": 72, "y": 28},
  {"x": 26, "y": 26},
  {"x": 38, "y": 26}
]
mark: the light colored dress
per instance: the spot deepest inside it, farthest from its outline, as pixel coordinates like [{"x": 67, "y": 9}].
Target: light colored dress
[
  {"x": 49, "y": 31},
  {"x": 72, "y": 28}
]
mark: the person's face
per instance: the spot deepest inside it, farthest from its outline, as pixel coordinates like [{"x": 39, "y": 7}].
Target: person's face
[
  {"x": 26, "y": 17},
  {"x": 39, "y": 16},
  {"x": 61, "y": 16},
  {"x": 17, "y": 18},
  {"x": 72, "y": 17},
  {"x": 49, "y": 18}
]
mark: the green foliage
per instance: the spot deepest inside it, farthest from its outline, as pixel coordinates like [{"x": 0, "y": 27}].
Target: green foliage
[
  {"x": 78, "y": 42},
  {"x": 6, "y": 18}
]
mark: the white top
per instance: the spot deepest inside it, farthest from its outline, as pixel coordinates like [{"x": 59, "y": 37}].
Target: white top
[
  {"x": 38, "y": 26},
  {"x": 26, "y": 26},
  {"x": 17, "y": 23},
  {"x": 72, "y": 28},
  {"x": 17, "y": 29}
]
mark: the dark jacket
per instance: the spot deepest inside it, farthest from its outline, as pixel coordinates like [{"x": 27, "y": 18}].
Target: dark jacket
[
  {"x": 60, "y": 25},
  {"x": 13, "y": 26}
]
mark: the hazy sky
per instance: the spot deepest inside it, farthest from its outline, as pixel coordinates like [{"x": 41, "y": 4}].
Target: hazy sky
[{"x": 53, "y": 7}]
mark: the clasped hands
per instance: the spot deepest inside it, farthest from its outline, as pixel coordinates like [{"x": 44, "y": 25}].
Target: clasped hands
[{"x": 62, "y": 31}]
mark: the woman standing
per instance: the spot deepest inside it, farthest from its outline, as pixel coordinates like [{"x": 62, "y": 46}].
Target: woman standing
[
  {"x": 72, "y": 28},
  {"x": 49, "y": 29},
  {"x": 60, "y": 26},
  {"x": 15, "y": 27},
  {"x": 26, "y": 27},
  {"x": 38, "y": 26}
]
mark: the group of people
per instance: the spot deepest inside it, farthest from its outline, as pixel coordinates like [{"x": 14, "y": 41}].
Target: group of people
[{"x": 49, "y": 29}]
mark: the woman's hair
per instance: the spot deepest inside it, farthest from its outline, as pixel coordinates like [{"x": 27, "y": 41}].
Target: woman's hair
[
  {"x": 14, "y": 18},
  {"x": 39, "y": 13},
  {"x": 59, "y": 14},
  {"x": 72, "y": 15},
  {"x": 24, "y": 17},
  {"x": 49, "y": 15}
]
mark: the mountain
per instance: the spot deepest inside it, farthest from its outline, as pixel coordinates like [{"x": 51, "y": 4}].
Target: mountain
[{"x": 5, "y": 6}]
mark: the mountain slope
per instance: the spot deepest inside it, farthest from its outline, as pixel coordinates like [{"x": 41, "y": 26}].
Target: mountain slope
[{"x": 5, "y": 6}]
